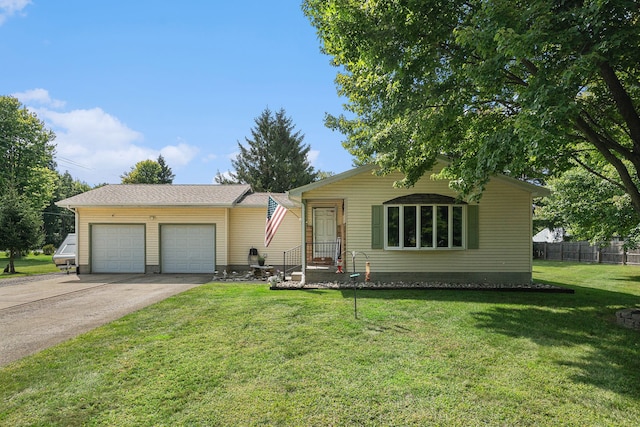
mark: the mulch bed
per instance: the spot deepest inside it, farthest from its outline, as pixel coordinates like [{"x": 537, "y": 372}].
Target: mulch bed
[{"x": 531, "y": 287}]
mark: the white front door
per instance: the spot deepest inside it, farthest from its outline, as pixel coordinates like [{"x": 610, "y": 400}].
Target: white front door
[{"x": 324, "y": 232}]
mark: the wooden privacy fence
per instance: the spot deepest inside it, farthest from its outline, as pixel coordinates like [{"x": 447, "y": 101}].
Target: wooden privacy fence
[{"x": 613, "y": 253}]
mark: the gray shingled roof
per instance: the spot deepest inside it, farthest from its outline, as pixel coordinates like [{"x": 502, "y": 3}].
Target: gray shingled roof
[
  {"x": 261, "y": 199},
  {"x": 159, "y": 195}
]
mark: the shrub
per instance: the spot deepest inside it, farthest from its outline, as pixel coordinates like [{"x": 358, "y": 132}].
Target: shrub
[{"x": 48, "y": 249}]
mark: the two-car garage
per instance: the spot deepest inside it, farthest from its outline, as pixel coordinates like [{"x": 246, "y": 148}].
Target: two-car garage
[
  {"x": 159, "y": 228},
  {"x": 184, "y": 248}
]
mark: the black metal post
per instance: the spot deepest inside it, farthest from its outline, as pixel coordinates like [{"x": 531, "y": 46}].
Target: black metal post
[{"x": 353, "y": 277}]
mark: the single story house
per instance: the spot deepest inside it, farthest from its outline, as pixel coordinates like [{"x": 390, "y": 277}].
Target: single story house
[{"x": 422, "y": 233}]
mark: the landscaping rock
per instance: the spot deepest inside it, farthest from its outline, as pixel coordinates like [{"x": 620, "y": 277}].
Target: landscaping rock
[
  {"x": 532, "y": 287},
  {"x": 629, "y": 318}
]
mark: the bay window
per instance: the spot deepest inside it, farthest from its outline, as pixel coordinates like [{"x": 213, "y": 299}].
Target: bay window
[{"x": 424, "y": 227}]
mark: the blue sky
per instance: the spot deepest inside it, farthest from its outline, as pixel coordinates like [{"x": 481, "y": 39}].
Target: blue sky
[{"x": 123, "y": 81}]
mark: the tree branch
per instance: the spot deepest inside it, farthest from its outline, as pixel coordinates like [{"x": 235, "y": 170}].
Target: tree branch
[
  {"x": 598, "y": 174},
  {"x": 629, "y": 185},
  {"x": 604, "y": 137},
  {"x": 623, "y": 102},
  {"x": 530, "y": 66},
  {"x": 515, "y": 79}
]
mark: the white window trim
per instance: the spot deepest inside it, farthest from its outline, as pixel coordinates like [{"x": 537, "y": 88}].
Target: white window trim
[{"x": 419, "y": 226}]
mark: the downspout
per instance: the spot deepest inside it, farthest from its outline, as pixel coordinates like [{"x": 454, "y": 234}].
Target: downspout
[
  {"x": 531, "y": 239},
  {"x": 227, "y": 225},
  {"x": 76, "y": 227},
  {"x": 303, "y": 240},
  {"x": 75, "y": 230}
]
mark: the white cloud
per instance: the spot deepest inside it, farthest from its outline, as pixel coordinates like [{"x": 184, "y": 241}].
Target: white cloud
[
  {"x": 9, "y": 8},
  {"x": 312, "y": 156},
  {"x": 89, "y": 129},
  {"x": 179, "y": 155},
  {"x": 38, "y": 96},
  {"x": 102, "y": 145},
  {"x": 96, "y": 146}
]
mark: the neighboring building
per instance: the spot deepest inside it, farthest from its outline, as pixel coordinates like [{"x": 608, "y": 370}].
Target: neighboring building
[
  {"x": 549, "y": 236},
  {"x": 422, "y": 233}
]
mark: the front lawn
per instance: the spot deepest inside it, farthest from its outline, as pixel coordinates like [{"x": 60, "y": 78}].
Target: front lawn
[
  {"x": 28, "y": 265},
  {"x": 240, "y": 354}
]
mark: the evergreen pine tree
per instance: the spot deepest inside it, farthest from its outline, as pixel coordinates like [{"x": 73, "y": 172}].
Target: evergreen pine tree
[
  {"x": 274, "y": 158},
  {"x": 166, "y": 174}
]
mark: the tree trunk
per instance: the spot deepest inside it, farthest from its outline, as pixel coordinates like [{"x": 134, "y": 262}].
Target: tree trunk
[
  {"x": 606, "y": 150},
  {"x": 623, "y": 101},
  {"x": 12, "y": 256}
]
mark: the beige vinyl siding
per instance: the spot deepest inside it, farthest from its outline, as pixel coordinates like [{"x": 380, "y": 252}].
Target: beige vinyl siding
[
  {"x": 246, "y": 230},
  {"x": 504, "y": 214},
  {"x": 152, "y": 217}
]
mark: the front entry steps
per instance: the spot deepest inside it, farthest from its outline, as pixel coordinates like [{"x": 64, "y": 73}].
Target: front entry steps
[{"x": 296, "y": 276}]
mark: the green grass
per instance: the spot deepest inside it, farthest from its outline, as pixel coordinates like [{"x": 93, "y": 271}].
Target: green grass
[
  {"x": 240, "y": 354},
  {"x": 28, "y": 265}
]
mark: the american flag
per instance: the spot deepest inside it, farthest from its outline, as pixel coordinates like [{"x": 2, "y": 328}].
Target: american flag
[{"x": 275, "y": 215}]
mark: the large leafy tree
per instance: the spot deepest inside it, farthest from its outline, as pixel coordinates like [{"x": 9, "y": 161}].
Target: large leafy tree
[
  {"x": 149, "y": 172},
  {"x": 274, "y": 158},
  {"x": 26, "y": 153},
  {"x": 20, "y": 225},
  {"x": 526, "y": 88},
  {"x": 589, "y": 207}
]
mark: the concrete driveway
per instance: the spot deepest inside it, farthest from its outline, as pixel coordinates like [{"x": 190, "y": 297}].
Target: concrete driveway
[{"x": 36, "y": 313}]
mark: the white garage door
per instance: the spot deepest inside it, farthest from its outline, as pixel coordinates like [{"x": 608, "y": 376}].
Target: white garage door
[
  {"x": 188, "y": 248},
  {"x": 117, "y": 248}
]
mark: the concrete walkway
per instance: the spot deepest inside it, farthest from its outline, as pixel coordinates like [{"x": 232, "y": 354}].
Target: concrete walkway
[{"x": 39, "y": 313}]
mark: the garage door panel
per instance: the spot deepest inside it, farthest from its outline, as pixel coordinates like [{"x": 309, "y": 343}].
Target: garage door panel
[
  {"x": 117, "y": 248},
  {"x": 188, "y": 248}
]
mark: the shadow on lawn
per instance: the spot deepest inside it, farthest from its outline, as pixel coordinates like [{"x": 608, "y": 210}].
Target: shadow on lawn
[
  {"x": 562, "y": 321},
  {"x": 613, "y": 362},
  {"x": 583, "y": 296},
  {"x": 628, "y": 279}
]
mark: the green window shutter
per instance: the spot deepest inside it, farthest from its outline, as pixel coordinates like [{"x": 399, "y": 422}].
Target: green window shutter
[
  {"x": 377, "y": 227},
  {"x": 473, "y": 228}
]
